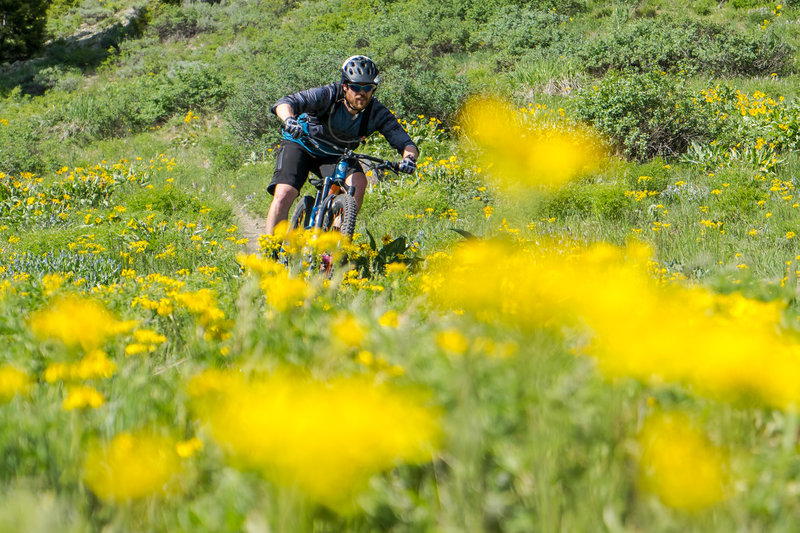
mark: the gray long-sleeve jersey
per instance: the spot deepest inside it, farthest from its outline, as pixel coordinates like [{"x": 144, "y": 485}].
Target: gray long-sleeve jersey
[{"x": 325, "y": 107}]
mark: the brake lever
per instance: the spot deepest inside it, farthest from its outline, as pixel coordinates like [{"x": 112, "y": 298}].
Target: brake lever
[{"x": 394, "y": 167}]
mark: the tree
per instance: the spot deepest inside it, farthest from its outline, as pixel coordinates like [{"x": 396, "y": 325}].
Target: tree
[{"x": 22, "y": 27}]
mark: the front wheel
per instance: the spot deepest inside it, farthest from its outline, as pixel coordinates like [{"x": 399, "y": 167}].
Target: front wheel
[
  {"x": 301, "y": 216},
  {"x": 340, "y": 215}
]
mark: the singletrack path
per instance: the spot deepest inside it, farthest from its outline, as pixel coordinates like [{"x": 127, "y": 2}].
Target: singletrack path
[{"x": 249, "y": 227}]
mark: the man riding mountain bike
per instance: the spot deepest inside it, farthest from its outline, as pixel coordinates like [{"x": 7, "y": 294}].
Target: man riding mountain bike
[{"x": 342, "y": 115}]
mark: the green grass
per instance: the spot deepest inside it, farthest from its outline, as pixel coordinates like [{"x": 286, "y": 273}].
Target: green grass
[{"x": 534, "y": 437}]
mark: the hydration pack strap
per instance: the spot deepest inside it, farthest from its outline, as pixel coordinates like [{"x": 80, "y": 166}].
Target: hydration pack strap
[{"x": 362, "y": 128}]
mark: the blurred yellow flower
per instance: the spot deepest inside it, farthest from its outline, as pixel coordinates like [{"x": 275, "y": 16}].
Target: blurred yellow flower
[
  {"x": 326, "y": 438},
  {"x": 520, "y": 156},
  {"x": 283, "y": 291},
  {"x": 149, "y": 337},
  {"x": 393, "y": 268},
  {"x": 13, "y": 381},
  {"x": 725, "y": 346},
  {"x": 389, "y": 319},
  {"x": 348, "y": 330},
  {"x": 137, "y": 348},
  {"x": 203, "y": 304},
  {"x": 187, "y": 448},
  {"x": 51, "y": 283},
  {"x": 679, "y": 464},
  {"x": 132, "y": 466},
  {"x": 93, "y": 365},
  {"x": 77, "y": 322},
  {"x": 258, "y": 264},
  {"x": 82, "y": 396},
  {"x": 452, "y": 341}
]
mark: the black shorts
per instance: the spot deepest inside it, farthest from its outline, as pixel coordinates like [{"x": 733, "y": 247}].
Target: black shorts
[{"x": 293, "y": 163}]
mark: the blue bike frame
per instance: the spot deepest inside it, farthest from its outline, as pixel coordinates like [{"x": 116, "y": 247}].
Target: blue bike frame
[{"x": 338, "y": 178}]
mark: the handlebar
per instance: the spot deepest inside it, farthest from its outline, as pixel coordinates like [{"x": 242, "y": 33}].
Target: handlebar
[{"x": 347, "y": 153}]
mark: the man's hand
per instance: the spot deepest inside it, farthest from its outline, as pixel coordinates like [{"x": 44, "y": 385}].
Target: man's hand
[
  {"x": 292, "y": 127},
  {"x": 407, "y": 165}
]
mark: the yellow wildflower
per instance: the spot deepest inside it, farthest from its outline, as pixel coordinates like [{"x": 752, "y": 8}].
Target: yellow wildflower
[
  {"x": 82, "y": 396},
  {"x": 148, "y": 336},
  {"x": 326, "y": 438},
  {"x": 679, "y": 465},
  {"x": 51, "y": 283},
  {"x": 717, "y": 343},
  {"x": 93, "y": 365},
  {"x": 283, "y": 291},
  {"x": 132, "y": 466},
  {"x": 187, "y": 448},
  {"x": 520, "y": 156},
  {"x": 394, "y": 268},
  {"x": 77, "y": 322},
  {"x": 348, "y": 330},
  {"x": 13, "y": 381},
  {"x": 452, "y": 341},
  {"x": 389, "y": 319}
]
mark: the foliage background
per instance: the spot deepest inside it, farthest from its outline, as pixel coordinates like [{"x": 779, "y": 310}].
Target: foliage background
[{"x": 132, "y": 131}]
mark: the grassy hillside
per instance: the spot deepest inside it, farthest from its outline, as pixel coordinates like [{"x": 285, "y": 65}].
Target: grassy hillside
[{"x": 580, "y": 314}]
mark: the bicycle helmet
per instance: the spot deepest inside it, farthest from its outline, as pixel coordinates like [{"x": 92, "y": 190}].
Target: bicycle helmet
[{"x": 360, "y": 69}]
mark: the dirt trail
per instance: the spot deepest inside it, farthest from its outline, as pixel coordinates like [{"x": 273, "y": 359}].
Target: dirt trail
[{"x": 250, "y": 227}]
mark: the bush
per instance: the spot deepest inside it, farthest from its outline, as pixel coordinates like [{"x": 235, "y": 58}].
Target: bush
[
  {"x": 248, "y": 109},
  {"x": 643, "y": 115},
  {"x": 59, "y": 78},
  {"x": 690, "y": 46},
  {"x": 21, "y": 148},
  {"x": 248, "y": 113},
  {"x": 196, "y": 86},
  {"x": 514, "y": 30},
  {"x": 139, "y": 103},
  {"x": 174, "y": 22},
  {"x": 428, "y": 92}
]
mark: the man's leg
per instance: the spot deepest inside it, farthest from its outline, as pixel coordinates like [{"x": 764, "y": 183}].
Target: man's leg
[
  {"x": 281, "y": 203},
  {"x": 360, "y": 181}
]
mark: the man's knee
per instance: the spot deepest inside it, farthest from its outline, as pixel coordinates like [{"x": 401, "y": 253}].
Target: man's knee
[{"x": 284, "y": 194}]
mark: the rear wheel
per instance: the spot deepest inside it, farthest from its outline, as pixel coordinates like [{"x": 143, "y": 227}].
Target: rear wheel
[{"x": 340, "y": 215}]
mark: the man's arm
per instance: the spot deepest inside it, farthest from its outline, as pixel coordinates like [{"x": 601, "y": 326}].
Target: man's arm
[
  {"x": 284, "y": 111},
  {"x": 312, "y": 101},
  {"x": 411, "y": 151}
]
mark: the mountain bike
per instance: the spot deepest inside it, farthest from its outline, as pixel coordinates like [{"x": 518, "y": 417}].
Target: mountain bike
[{"x": 333, "y": 208}]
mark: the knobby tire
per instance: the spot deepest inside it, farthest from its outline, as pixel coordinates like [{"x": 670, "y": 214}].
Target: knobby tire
[
  {"x": 302, "y": 213},
  {"x": 344, "y": 207}
]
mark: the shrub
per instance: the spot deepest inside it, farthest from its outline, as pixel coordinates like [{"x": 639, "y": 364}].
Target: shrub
[
  {"x": 514, "y": 30},
  {"x": 20, "y": 148},
  {"x": 248, "y": 112},
  {"x": 197, "y": 86},
  {"x": 174, "y": 22},
  {"x": 139, "y": 103},
  {"x": 685, "y": 45},
  {"x": 429, "y": 93},
  {"x": 57, "y": 77},
  {"x": 643, "y": 115}
]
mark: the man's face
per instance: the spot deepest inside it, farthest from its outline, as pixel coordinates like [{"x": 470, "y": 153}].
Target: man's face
[{"x": 358, "y": 95}]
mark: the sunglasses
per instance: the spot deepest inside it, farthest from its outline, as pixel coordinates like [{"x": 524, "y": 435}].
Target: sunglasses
[{"x": 361, "y": 88}]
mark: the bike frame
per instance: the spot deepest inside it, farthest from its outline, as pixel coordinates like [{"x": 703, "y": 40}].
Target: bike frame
[{"x": 338, "y": 179}]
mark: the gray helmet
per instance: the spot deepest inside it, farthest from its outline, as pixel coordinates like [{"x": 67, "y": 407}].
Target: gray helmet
[{"x": 360, "y": 69}]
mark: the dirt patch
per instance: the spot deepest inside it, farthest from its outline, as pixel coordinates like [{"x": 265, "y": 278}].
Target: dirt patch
[{"x": 249, "y": 227}]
